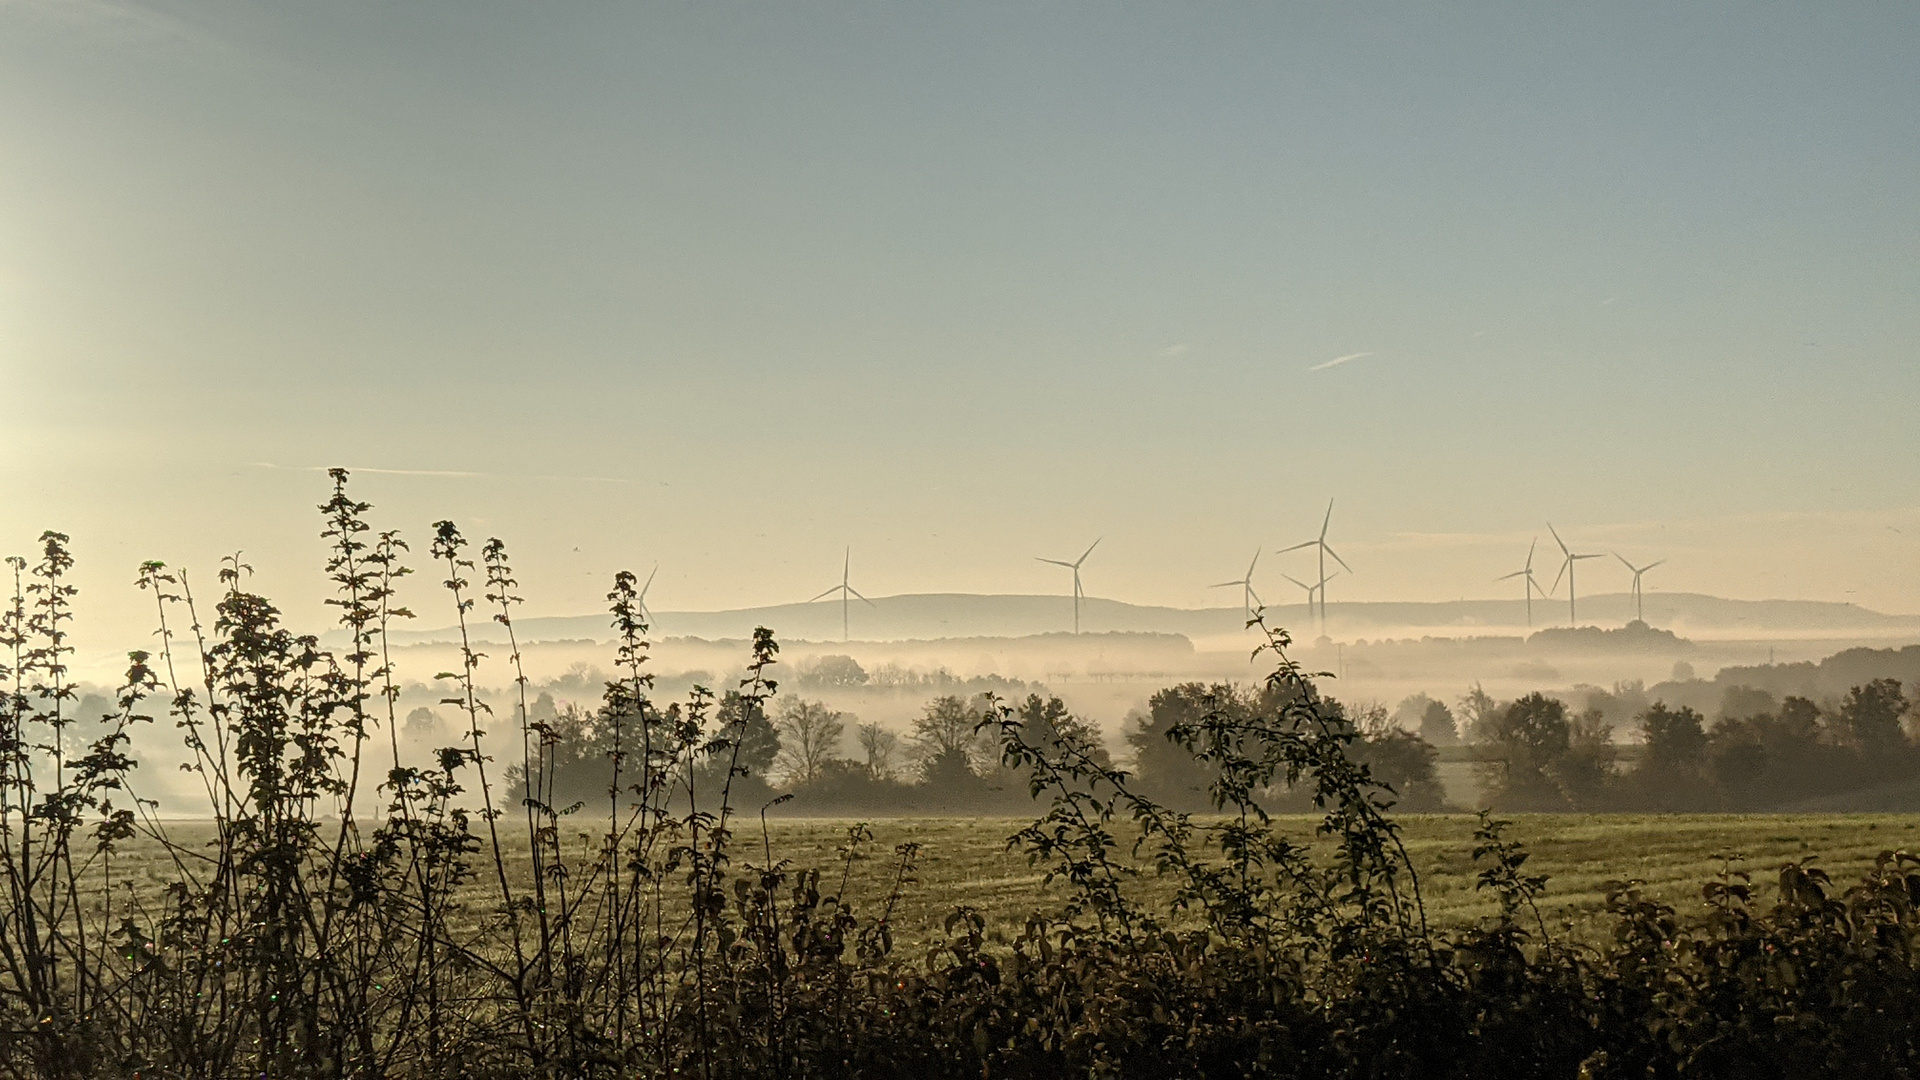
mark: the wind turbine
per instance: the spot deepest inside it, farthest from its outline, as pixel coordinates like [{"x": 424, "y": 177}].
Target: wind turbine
[
  {"x": 646, "y": 613},
  {"x": 1321, "y": 543},
  {"x": 1311, "y": 589},
  {"x": 1249, "y": 598},
  {"x": 1075, "y": 567},
  {"x": 846, "y": 591},
  {"x": 1566, "y": 568},
  {"x": 1637, "y": 571},
  {"x": 1532, "y": 586}
]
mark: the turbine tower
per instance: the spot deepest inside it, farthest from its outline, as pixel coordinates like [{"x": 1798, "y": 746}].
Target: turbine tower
[
  {"x": 1532, "y": 586},
  {"x": 1249, "y": 598},
  {"x": 1637, "y": 571},
  {"x": 846, "y": 591},
  {"x": 1320, "y": 542},
  {"x": 1566, "y": 569},
  {"x": 1074, "y": 566}
]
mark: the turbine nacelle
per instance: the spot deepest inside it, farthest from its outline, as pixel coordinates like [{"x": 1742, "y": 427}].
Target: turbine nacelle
[
  {"x": 1078, "y": 594},
  {"x": 1249, "y": 599},
  {"x": 1638, "y": 614},
  {"x": 847, "y": 593},
  {"x": 1569, "y": 558}
]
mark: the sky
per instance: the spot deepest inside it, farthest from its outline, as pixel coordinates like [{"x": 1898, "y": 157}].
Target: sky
[{"x": 731, "y": 288}]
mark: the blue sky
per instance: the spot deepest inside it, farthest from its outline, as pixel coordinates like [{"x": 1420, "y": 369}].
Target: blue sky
[{"x": 729, "y": 287}]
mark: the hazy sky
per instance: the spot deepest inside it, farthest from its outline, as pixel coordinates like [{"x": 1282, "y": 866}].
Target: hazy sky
[{"x": 732, "y": 286}]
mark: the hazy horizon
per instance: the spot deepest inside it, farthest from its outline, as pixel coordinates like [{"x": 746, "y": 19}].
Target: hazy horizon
[{"x": 730, "y": 289}]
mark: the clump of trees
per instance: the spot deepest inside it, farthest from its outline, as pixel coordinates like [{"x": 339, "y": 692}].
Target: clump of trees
[
  {"x": 822, "y": 760},
  {"x": 1402, "y": 760},
  {"x": 1533, "y": 756},
  {"x": 1858, "y": 752},
  {"x": 1430, "y": 718},
  {"x": 827, "y": 762}
]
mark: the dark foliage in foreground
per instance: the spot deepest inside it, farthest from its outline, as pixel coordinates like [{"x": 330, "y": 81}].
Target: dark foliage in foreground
[{"x": 407, "y": 946}]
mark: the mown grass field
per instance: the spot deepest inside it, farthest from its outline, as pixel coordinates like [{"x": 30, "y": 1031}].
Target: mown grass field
[{"x": 965, "y": 861}]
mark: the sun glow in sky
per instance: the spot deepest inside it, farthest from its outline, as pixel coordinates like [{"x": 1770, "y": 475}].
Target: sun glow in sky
[{"x": 732, "y": 287}]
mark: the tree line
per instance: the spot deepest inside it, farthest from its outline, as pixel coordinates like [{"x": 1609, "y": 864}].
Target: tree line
[
  {"x": 1535, "y": 753},
  {"x": 803, "y": 756}
]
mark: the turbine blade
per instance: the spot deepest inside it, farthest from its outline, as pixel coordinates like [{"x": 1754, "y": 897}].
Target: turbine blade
[
  {"x": 1254, "y": 563},
  {"x": 1089, "y": 551},
  {"x": 1562, "y": 573},
  {"x": 1557, "y": 540},
  {"x": 1651, "y": 565},
  {"x": 1328, "y": 520},
  {"x": 1515, "y": 574},
  {"x": 1337, "y": 558},
  {"x": 1056, "y": 562},
  {"x": 1297, "y": 547},
  {"x": 1298, "y": 582},
  {"x": 856, "y": 592},
  {"x": 1625, "y": 563},
  {"x": 1224, "y": 584},
  {"x": 828, "y": 593}
]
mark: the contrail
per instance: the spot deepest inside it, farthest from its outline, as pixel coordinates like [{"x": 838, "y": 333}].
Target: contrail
[
  {"x": 1338, "y": 360},
  {"x": 442, "y": 472}
]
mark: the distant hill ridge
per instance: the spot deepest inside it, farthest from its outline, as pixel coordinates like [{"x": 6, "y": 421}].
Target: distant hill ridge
[{"x": 972, "y": 615}]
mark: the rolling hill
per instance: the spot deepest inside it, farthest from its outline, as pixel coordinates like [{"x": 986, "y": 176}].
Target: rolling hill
[{"x": 968, "y": 615}]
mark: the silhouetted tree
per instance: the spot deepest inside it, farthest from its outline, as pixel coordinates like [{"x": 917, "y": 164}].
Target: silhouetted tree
[
  {"x": 743, "y": 720},
  {"x": 833, "y": 671},
  {"x": 1437, "y": 726},
  {"x": 1166, "y": 771},
  {"x": 1476, "y": 711},
  {"x": 575, "y": 761},
  {"x": 1048, "y": 720},
  {"x": 1738, "y": 758},
  {"x": 851, "y": 787},
  {"x": 1762, "y": 761},
  {"x": 422, "y": 723},
  {"x": 1404, "y": 762},
  {"x": 878, "y": 745},
  {"x": 1519, "y": 748},
  {"x": 1869, "y": 719},
  {"x": 1407, "y": 714},
  {"x": 1585, "y": 773},
  {"x": 946, "y": 742},
  {"x": 810, "y": 736},
  {"x": 1738, "y": 702},
  {"x": 1673, "y": 766}
]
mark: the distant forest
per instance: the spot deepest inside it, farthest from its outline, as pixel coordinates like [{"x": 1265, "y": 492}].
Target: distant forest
[{"x": 1854, "y": 749}]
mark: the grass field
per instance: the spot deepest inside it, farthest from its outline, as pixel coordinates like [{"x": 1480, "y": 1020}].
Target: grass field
[{"x": 964, "y": 861}]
